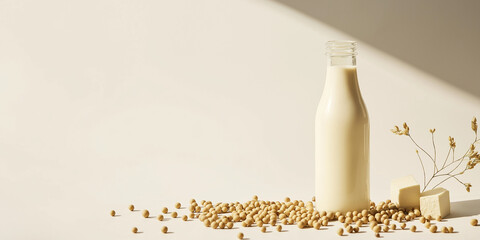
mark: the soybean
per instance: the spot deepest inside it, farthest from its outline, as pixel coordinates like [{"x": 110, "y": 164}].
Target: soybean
[
  {"x": 474, "y": 222},
  {"x": 145, "y": 213},
  {"x": 340, "y": 231}
]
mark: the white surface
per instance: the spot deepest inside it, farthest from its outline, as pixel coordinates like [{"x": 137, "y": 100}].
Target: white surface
[{"x": 107, "y": 103}]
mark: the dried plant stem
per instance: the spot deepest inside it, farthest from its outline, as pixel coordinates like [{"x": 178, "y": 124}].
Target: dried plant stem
[
  {"x": 425, "y": 185},
  {"x": 434, "y": 149},
  {"x": 459, "y": 161},
  {"x": 449, "y": 174},
  {"x": 436, "y": 173},
  {"x": 448, "y": 154},
  {"x": 423, "y": 168},
  {"x": 435, "y": 169},
  {"x": 447, "y": 170},
  {"x": 423, "y": 150},
  {"x": 461, "y": 158}
]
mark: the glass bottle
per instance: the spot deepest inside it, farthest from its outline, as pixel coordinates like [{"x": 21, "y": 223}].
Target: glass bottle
[{"x": 342, "y": 131}]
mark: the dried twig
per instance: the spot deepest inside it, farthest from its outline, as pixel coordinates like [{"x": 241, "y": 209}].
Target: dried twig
[{"x": 471, "y": 156}]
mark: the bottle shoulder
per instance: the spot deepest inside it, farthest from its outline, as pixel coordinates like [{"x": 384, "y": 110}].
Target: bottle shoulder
[{"x": 341, "y": 111}]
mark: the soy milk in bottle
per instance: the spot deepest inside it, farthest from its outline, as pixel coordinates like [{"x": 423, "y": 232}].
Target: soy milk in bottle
[{"x": 342, "y": 178}]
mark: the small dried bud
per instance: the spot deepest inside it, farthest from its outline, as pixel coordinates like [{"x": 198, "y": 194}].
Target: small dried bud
[
  {"x": 396, "y": 130},
  {"x": 474, "y": 124},
  {"x": 452, "y": 142},
  {"x": 406, "y": 129},
  {"x": 468, "y": 186}
]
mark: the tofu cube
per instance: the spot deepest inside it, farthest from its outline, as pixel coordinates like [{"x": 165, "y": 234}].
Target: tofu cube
[
  {"x": 435, "y": 202},
  {"x": 405, "y": 192}
]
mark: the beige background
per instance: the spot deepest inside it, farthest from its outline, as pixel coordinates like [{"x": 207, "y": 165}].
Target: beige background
[{"x": 107, "y": 103}]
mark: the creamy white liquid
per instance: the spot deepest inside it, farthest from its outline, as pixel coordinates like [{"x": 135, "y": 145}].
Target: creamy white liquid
[{"x": 342, "y": 144}]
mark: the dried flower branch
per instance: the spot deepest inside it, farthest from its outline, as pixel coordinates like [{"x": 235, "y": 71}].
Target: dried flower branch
[{"x": 448, "y": 170}]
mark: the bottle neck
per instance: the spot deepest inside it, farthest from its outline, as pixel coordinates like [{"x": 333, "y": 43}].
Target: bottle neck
[
  {"x": 347, "y": 61},
  {"x": 342, "y": 53}
]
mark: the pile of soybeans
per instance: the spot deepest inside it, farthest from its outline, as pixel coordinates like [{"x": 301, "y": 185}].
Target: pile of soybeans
[{"x": 381, "y": 217}]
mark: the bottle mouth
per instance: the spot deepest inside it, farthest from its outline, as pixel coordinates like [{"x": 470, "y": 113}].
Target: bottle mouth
[{"x": 341, "y": 48}]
